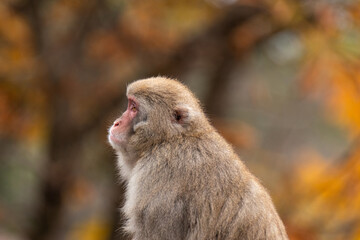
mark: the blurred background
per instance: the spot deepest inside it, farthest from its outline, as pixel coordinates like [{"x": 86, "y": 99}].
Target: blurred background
[{"x": 280, "y": 80}]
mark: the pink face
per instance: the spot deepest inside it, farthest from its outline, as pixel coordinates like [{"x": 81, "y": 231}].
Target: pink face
[{"x": 119, "y": 131}]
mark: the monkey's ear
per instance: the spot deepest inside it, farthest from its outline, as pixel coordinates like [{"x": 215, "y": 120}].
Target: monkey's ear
[{"x": 181, "y": 115}]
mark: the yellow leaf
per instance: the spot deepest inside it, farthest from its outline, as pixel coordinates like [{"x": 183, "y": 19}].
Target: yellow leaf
[{"x": 93, "y": 229}]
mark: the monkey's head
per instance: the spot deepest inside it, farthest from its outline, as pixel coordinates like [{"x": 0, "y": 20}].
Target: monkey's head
[{"x": 159, "y": 110}]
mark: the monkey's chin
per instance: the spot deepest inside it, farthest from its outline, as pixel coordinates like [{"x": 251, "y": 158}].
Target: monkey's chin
[{"x": 116, "y": 141}]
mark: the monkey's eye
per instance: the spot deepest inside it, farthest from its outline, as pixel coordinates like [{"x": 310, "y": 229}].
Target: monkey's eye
[{"x": 132, "y": 106}]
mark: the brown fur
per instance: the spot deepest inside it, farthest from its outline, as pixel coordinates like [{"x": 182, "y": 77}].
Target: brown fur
[{"x": 183, "y": 180}]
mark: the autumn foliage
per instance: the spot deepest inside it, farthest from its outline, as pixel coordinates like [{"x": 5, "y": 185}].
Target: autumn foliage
[{"x": 279, "y": 79}]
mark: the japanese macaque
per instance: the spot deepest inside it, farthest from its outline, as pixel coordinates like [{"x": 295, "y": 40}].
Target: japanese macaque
[{"x": 184, "y": 181}]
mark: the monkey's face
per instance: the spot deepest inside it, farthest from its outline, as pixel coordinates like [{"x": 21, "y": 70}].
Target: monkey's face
[
  {"x": 146, "y": 120},
  {"x": 122, "y": 128}
]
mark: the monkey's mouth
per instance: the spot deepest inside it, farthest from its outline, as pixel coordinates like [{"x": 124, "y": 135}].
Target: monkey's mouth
[{"x": 116, "y": 139}]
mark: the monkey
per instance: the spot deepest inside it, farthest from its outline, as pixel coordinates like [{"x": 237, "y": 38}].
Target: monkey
[{"x": 183, "y": 180}]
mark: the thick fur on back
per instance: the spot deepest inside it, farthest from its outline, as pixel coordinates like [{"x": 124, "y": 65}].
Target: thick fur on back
[{"x": 187, "y": 182}]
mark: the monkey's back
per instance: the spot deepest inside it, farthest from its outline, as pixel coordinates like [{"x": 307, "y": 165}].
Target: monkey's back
[{"x": 208, "y": 194}]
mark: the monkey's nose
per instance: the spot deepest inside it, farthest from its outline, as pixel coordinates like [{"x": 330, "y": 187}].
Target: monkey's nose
[{"x": 117, "y": 123}]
